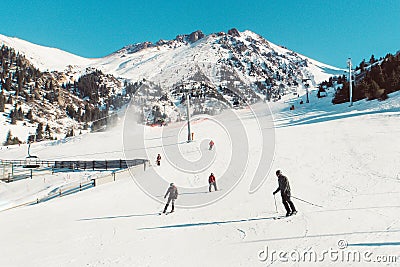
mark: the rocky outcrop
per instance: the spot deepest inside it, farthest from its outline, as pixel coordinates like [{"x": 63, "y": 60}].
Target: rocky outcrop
[
  {"x": 195, "y": 36},
  {"x": 234, "y": 32},
  {"x": 137, "y": 47}
]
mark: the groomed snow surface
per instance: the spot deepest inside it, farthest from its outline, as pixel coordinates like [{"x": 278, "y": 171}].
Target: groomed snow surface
[{"x": 345, "y": 159}]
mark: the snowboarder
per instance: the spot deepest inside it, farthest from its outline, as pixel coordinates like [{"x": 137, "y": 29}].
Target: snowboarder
[
  {"x": 284, "y": 187},
  {"x": 173, "y": 195},
  {"x": 211, "y": 144},
  {"x": 211, "y": 181},
  {"x": 158, "y": 159}
]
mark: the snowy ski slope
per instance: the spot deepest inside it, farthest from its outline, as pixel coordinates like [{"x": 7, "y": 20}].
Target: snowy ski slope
[{"x": 346, "y": 159}]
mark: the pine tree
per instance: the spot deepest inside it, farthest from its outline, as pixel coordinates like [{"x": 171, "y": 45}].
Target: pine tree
[
  {"x": 11, "y": 140},
  {"x": 362, "y": 65},
  {"x": 2, "y": 102},
  {"x": 372, "y": 90},
  {"x": 20, "y": 114},
  {"x": 7, "y": 84},
  {"x": 70, "y": 133},
  {"x": 29, "y": 115},
  {"x": 13, "y": 117},
  {"x": 39, "y": 132},
  {"x": 372, "y": 60},
  {"x": 8, "y": 139},
  {"x": 47, "y": 131},
  {"x": 71, "y": 111}
]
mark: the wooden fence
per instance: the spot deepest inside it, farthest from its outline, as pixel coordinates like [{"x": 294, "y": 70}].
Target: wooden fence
[
  {"x": 80, "y": 186},
  {"x": 19, "y": 171},
  {"x": 79, "y": 164}
]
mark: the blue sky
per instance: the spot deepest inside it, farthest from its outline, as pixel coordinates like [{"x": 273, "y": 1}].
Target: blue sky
[{"x": 328, "y": 31}]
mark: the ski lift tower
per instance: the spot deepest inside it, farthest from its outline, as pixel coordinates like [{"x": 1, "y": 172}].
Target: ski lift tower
[
  {"x": 307, "y": 85},
  {"x": 350, "y": 82},
  {"x": 30, "y": 142},
  {"x": 31, "y": 161},
  {"x": 188, "y": 117}
]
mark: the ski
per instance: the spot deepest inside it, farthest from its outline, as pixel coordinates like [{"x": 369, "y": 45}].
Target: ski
[
  {"x": 165, "y": 213},
  {"x": 283, "y": 216}
]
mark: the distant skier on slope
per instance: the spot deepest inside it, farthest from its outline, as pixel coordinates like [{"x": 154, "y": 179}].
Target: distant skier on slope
[
  {"x": 212, "y": 182},
  {"x": 284, "y": 187},
  {"x": 158, "y": 160},
  {"x": 211, "y": 144},
  {"x": 173, "y": 195}
]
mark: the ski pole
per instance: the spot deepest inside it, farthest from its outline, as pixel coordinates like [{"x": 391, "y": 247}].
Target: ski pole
[
  {"x": 276, "y": 208},
  {"x": 307, "y": 202}
]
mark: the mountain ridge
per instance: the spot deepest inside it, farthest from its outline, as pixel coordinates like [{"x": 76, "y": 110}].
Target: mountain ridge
[
  {"x": 232, "y": 68},
  {"x": 35, "y": 52}
]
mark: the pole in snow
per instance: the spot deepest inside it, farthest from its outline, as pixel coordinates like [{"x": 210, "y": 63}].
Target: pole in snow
[
  {"x": 164, "y": 110},
  {"x": 306, "y": 202},
  {"x": 188, "y": 117},
  {"x": 29, "y": 148},
  {"x": 306, "y": 85},
  {"x": 350, "y": 82}
]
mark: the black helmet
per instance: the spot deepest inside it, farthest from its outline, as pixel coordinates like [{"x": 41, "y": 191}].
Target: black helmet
[{"x": 278, "y": 172}]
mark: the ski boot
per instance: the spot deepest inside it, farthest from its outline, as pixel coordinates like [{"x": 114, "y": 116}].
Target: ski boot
[{"x": 165, "y": 209}]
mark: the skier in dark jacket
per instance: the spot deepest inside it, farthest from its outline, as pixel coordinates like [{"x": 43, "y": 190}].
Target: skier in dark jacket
[
  {"x": 173, "y": 195},
  {"x": 284, "y": 187}
]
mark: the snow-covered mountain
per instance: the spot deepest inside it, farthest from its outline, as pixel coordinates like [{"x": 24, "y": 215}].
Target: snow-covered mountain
[
  {"x": 227, "y": 67},
  {"x": 42, "y": 57},
  {"x": 245, "y": 55},
  {"x": 249, "y": 56},
  {"x": 51, "y": 104}
]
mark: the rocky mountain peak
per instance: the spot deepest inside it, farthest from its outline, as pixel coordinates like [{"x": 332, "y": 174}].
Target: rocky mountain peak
[
  {"x": 234, "y": 32},
  {"x": 195, "y": 36}
]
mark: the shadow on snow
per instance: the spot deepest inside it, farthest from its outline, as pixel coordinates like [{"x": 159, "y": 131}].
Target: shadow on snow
[
  {"x": 206, "y": 223},
  {"x": 119, "y": 216},
  {"x": 330, "y": 116}
]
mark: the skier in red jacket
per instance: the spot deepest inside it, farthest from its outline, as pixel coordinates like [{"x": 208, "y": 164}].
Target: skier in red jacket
[
  {"x": 211, "y": 144},
  {"x": 158, "y": 159},
  {"x": 211, "y": 181}
]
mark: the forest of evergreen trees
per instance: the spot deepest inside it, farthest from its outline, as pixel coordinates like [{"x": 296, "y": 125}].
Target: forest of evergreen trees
[
  {"x": 10, "y": 140},
  {"x": 376, "y": 82},
  {"x": 20, "y": 83},
  {"x": 98, "y": 100}
]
